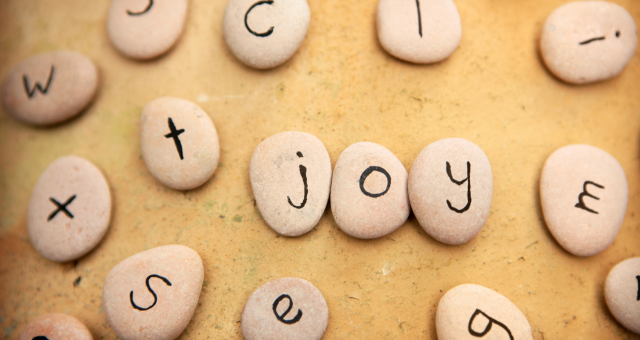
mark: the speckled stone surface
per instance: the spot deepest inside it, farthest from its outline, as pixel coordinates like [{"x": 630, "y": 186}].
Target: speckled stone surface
[
  {"x": 622, "y": 293},
  {"x": 55, "y": 326}
]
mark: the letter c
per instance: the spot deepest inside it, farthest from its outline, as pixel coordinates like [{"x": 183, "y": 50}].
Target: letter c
[{"x": 246, "y": 16}]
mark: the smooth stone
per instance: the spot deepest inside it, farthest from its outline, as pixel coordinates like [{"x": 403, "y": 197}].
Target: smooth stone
[
  {"x": 179, "y": 143},
  {"x": 285, "y": 309},
  {"x": 622, "y": 293},
  {"x": 425, "y": 34},
  {"x": 144, "y": 29},
  {"x": 290, "y": 176},
  {"x": 489, "y": 315},
  {"x": 450, "y": 212},
  {"x": 49, "y": 88},
  {"x": 153, "y": 294},
  {"x": 265, "y": 34},
  {"x": 588, "y": 41},
  {"x": 75, "y": 223},
  {"x": 55, "y": 326},
  {"x": 583, "y": 225},
  {"x": 364, "y": 202}
]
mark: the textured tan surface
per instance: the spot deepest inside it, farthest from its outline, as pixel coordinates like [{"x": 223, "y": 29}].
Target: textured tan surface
[{"x": 343, "y": 88}]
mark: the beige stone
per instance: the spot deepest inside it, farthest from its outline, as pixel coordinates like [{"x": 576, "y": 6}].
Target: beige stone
[
  {"x": 55, "y": 326},
  {"x": 265, "y": 34},
  {"x": 144, "y": 29},
  {"x": 369, "y": 196},
  {"x": 290, "y": 176},
  {"x": 423, "y": 32},
  {"x": 622, "y": 293},
  {"x": 450, "y": 187},
  {"x": 179, "y": 143},
  {"x": 153, "y": 294},
  {"x": 469, "y": 312},
  {"x": 583, "y": 192},
  {"x": 69, "y": 209},
  {"x": 285, "y": 309},
  {"x": 588, "y": 41},
  {"x": 49, "y": 88}
]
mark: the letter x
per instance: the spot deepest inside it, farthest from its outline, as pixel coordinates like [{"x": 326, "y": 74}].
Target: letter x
[
  {"x": 174, "y": 134},
  {"x": 61, "y": 207}
]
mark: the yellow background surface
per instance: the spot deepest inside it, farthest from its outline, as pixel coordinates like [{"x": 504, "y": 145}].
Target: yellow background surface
[{"x": 342, "y": 87}]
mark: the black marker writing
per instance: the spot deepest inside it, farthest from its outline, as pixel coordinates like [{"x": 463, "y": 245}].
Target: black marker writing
[
  {"x": 303, "y": 173},
  {"x": 40, "y": 337},
  {"x": 419, "y": 18},
  {"x": 143, "y": 12},
  {"x": 366, "y": 174},
  {"x": 638, "y": 297},
  {"x": 468, "y": 180},
  {"x": 37, "y": 86},
  {"x": 487, "y": 329},
  {"x": 280, "y": 317},
  {"x": 61, "y": 207},
  {"x": 617, "y": 34},
  {"x": 155, "y": 297},
  {"x": 246, "y": 17},
  {"x": 585, "y": 192},
  {"x": 174, "y": 134},
  {"x": 591, "y": 40}
]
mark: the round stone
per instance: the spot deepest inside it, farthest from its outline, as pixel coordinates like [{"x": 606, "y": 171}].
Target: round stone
[
  {"x": 469, "y": 312},
  {"x": 144, "y": 29},
  {"x": 584, "y": 192},
  {"x": 69, "y": 209},
  {"x": 285, "y": 309},
  {"x": 369, "y": 191},
  {"x": 622, "y": 293},
  {"x": 450, "y": 187},
  {"x": 291, "y": 177},
  {"x": 588, "y": 41},
  {"x": 153, "y": 294},
  {"x": 179, "y": 143},
  {"x": 265, "y": 34},
  {"x": 49, "y": 88},
  {"x": 55, "y": 326},
  {"x": 422, "y": 32}
]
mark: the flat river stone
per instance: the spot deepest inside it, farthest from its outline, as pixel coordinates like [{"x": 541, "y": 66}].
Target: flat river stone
[
  {"x": 179, "y": 143},
  {"x": 144, "y": 29},
  {"x": 49, "y": 88},
  {"x": 469, "y": 312},
  {"x": 265, "y": 34},
  {"x": 425, "y": 31},
  {"x": 622, "y": 293},
  {"x": 450, "y": 187},
  {"x": 69, "y": 209},
  {"x": 291, "y": 177},
  {"x": 153, "y": 294},
  {"x": 369, "y": 196},
  {"x": 583, "y": 192},
  {"x": 588, "y": 41},
  {"x": 285, "y": 309},
  {"x": 55, "y": 326}
]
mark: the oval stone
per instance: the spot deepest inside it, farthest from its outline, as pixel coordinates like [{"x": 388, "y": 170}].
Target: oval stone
[
  {"x": 469, "y": 312},
  {"x": 622, "y": 293},
  {"x": 55, "y": 326},
  {"x": 49, "y": 88},
  {"x": 584, "y": 192},
  {"x": 153, "y": 294},
  {"x": 450, "y": 187},
  {"x": 144, "y": 29},
  {"x": 179, "y": 143},
  {"x": 265, "y": 34},
  {"x": 291, "y": 178},
  {"x": 285, "y": 309},
  {"x": 588, "y": 41},
  {"x": 369, "y": 191},
  {"x": 420, "y": 32},
  {"x": 69, "y": 209}
]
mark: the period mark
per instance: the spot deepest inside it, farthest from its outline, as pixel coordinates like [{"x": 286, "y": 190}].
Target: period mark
[
  {"x": 487, "y": 329},
  {"x": 281, "y": 317},
  {"x": 468, "y": 180},
  {"x": 246, "y": 18},
  {"x": 155, "y": 297},
  {"x": 61, "y": 207},
  {"x": 303, "y": 173},
  {"x": 585, "y": 192}
]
